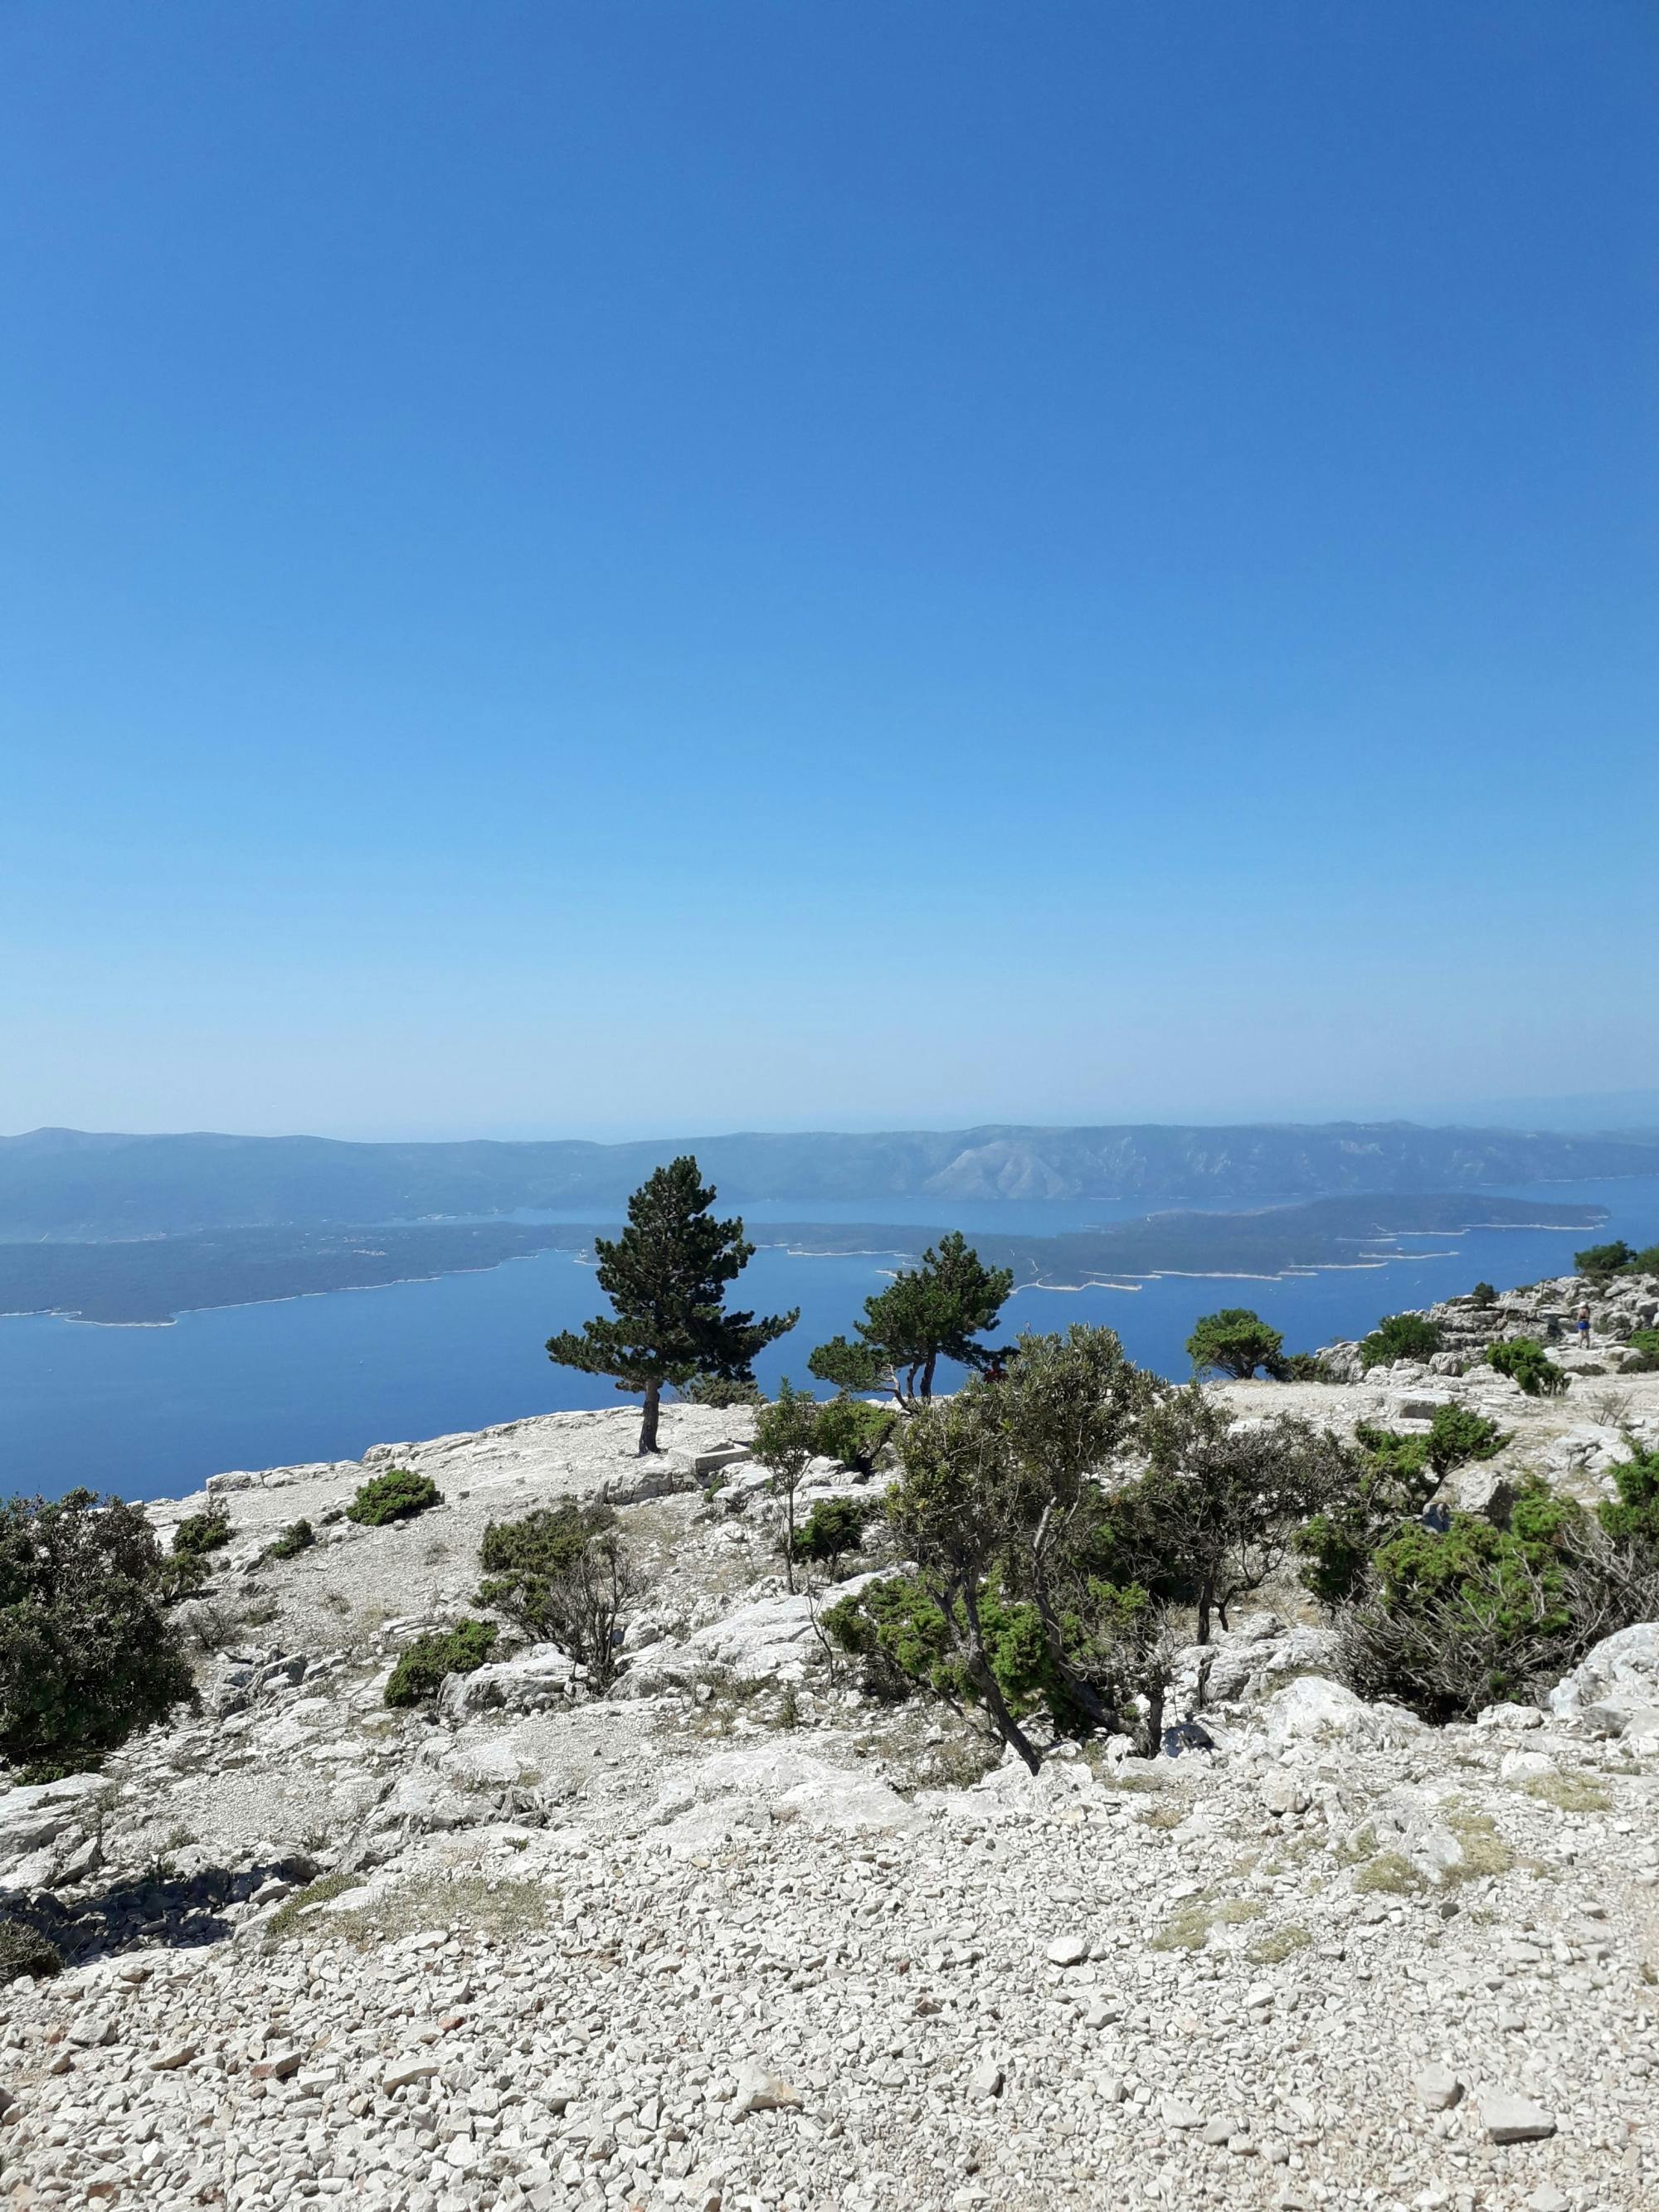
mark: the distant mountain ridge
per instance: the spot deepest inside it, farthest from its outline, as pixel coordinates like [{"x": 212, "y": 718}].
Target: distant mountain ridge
[{"x": 75, "y": 1184}]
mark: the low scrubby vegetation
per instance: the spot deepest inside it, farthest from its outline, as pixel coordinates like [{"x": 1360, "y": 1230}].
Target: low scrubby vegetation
[
  {"x": 1400, "y": 1336},
  {"x": 298, "y": 1536},
  {"x": 25, "y": 1952},
  {"x": 397, "y": 1495},
  {"x": 1525, "y": 1361},
  {"x": 88, "y": 1653},
  {"x": 421, "y": 1670},
  {"x": 1602, "y": 1262},
  {"x": 564, "y": 1575}
]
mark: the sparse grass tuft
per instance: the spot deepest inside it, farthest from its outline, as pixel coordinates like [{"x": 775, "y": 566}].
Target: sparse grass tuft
[
  {"x": 1188, "y": 1927},
  {"x": 1274, "y": 1945},
  {"x": 503, "y": 1905},
  {"x": 1569, "y": 1793},
  {"x": 285, "y": 1921},
  {"x": 1387, "y": 1875}
]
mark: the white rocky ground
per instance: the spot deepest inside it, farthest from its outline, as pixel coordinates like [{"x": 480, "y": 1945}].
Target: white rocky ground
[{"x": 738, "y": 1935}]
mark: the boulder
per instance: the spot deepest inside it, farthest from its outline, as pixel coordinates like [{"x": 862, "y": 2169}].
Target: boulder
[
  {"x": 744, "y": 1791},
  {"x": 1619, "y": 1676},
  {"x": 1312, "y": 1710},
  {"x": 537, "y": 1681}
]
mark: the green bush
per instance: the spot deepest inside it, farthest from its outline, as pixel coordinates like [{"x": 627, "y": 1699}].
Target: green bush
[
  {"x": 1303, "y": 1367},
  {"x": 1631, "y": 1517},
  {"x": 1457, "y": 1435},
  {"x": 198, "y": 1533},
  {"x": 1483, "y": 1294},
  {"x": 419, "y": 1673},
  {"x": 298, "y": 1536},
  {"x": 25, "y": 1950},
  {"x": 563, "y": 1574},
  {"x": 853, "y": 1433},
  {"x": 1524, "y": 1359},
  {"x": 87, "y": 1654},
  {"x": 1400, "y": 1336},
  {"x": 717, "y": 1391},
  {"x": 1599, "y": 1261},
  {"x": 397, "y": 1495},
  {"x": 1234, "y": 1342},
  {"x": 834, "y": 1526}
]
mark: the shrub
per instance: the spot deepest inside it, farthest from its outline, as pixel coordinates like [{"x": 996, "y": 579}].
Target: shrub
[
  {"x": 397, "y": 1495},
  {"x": 25, "y": 1950},
  {"x": 298, "y": 1536},
  {"x": 198, "y": 1533},
  {"x": 1524, "y": 1359},
  {"x": 1483, "y": 1294},
  {"x": 1600, "y": 1260},
  {"x": 1400, "y": 1336},
  {"x": 1303, "y": 1367},
  {"x": 1009, "y": 1606},
  {"x": 1221, "y": 1503},
  {"x": 1451, "y": 1619},
  {"x": 1234, "y": 1342},
  {"x": 854, "y": 1432},
  {"x": 1457, "y": 1435},
  {"x": 834, "y": 1526},
  {"x": 1462, "y": 1618},
  {"x": 419, "y": 1673},
  {"x": 717, "y": 1390},
  {"x": 785, "y": 1443},
  {"x": 563, "y": 1574},
  {"x": 1632, "y": 1516},
  {"x": 87, "y": 1654}
]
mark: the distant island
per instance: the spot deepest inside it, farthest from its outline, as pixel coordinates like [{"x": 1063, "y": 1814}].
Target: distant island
[
  {"x": 152, "y": 1279},
  {"x": 67, "y": 1184}
]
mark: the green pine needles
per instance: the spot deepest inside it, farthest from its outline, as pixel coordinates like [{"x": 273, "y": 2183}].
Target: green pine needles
[{"x": 666, "y": 1278}]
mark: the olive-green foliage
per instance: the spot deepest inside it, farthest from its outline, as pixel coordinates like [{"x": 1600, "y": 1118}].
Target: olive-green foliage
[
  {"x": 1302, "y": 1367},
  {"x": 1392, "y": 1482},
  {"x": 1454, "y": 1621},
  {"x": 199, "y": 1532},
  {"x": 1221, "y": 1503},
  {"x": 1400, "y": 1336},
  {"x": 854, "y": 1432},
  {"x": 717, "y": 1390},
  {"x": 25, "y": 1950},
  {"x": 998, "y": 1505},
  {"x": 1631, "y": 1517},
  {"x": 87, "y": 1654},
  {"x": 521, "y": 1560},
  {"x": 1483, "y": 1294},
  {"x": 397, "y": 1495},
  {"x": 298, "y": 1536},
  {"x": 1457, "y": 1435},
  {"x": 1643, "y": 1351},
  {"x": 928, "y": 1313},
  {"x": 1601, "y": 1260},
  {"x": 667, "y": 1277},
  {"x": 834, "y": 1526},
  {"x": 1525, "y": 1361},
  {"x": 785, "y": 1443},
  {"x": 1234, "y": 1342},
  {"x": 419, "y": 1673},
  {"x": 565, "y": 1576}
]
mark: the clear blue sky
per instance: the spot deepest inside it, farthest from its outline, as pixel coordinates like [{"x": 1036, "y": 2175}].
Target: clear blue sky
[{"x": 656, "y": 566}]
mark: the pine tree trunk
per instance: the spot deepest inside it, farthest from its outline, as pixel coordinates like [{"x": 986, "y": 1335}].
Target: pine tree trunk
[
  {"x": 928, "y": 1375},
  {"x": 648, "y": 1417}
]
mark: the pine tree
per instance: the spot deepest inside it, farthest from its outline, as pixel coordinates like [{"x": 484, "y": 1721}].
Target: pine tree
[
  {"x": 926, "y": 1313},
  {"x": 665, "y": 1277}
]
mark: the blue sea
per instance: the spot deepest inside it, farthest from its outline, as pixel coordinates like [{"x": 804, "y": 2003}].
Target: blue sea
[{"x": 151, "y": 1411}]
